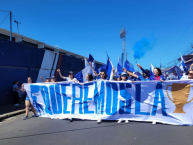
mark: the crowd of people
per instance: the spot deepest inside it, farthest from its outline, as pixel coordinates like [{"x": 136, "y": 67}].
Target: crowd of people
[{"x": 126, "y": 75}]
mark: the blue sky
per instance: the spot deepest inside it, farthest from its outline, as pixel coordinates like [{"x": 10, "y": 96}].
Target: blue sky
[{"x": 92, "y": 26}]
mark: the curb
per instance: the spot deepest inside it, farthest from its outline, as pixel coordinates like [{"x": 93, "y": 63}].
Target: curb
[{"x": 7, "y": 115}]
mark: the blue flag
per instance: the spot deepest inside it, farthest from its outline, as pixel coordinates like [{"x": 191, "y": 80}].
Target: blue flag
[
  {"x": 86, "y": 62},
  {"x": 151, "y": 69},
  {"x": 81, "y": 76},
  {"x": 102, "y": 68},
  {"x": 182, "y": 64},
  {"x": 119, "y": 66},
  {"x": 109, "y": 67},
  {"x": 129, "y": 66}
]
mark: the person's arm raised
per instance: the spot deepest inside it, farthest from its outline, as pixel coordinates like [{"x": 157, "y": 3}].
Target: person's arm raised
[
  {"x": 58, "y": 70},
  {"x": 42, "y": 79},
  {"x": 95, "y": 73},
  {"x": 114, "y": 78},
  {"x": 191, "y": 66},
  {"x": 131, "y": 74},
  {"x": 147, "y": 74}
]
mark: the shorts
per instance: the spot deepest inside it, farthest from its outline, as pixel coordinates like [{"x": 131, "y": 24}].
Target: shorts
[{"x": 27, "y": 98}]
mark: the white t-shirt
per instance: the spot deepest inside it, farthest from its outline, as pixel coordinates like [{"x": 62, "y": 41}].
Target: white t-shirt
[
  {"x": 184, "y": 77},
  {"x": 68, "y": 79}
]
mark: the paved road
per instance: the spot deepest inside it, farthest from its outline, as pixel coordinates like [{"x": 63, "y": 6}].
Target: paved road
[{"x": 45, "y": 131}]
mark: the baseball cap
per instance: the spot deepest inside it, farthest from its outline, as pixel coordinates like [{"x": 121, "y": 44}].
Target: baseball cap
[
  {"x": 70, "y": 72},
  {"x": 53, "y": 77},
  {"x": 123, "y": 74}
]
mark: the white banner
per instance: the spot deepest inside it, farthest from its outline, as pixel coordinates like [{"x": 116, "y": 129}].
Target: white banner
[{"x": 168, "y": 102}]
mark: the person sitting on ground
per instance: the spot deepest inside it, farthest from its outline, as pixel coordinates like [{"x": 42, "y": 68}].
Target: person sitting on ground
[
  {"x": 157, "y": 74},
  {"x": 27, "y": 102},
  {"x": 70, "y": 76},
  {"x": 16, "y": 91},
  {"x": 47, "y": 79}
]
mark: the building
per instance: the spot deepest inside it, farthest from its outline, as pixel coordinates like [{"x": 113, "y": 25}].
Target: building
[
  {"x": 188, "y": 60},
  {"x": 25, "y": 57}
]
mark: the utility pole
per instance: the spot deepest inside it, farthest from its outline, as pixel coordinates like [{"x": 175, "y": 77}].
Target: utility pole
[{"x": 10, "y": 26}]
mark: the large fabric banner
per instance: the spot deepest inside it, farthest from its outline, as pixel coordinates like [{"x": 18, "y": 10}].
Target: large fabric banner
[{"x": 168, "y": 102}]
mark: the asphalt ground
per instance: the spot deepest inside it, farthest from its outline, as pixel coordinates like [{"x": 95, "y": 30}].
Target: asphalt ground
[{"x": 15, "y": 131}]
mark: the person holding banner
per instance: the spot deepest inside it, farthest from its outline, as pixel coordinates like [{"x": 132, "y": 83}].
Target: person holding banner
[
  {"x": 27, "y": 102},
  {"x": 156, "y": 75},
  {"x": 124, "y": 77},
  {"x": 189, "y": 76},
  {"x": 70, "y": 76}
]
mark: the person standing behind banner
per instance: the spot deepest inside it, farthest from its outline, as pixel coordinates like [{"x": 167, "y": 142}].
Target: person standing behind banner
[
  {"x": 47, "y": 79},
  {"x": 124, "y": 78},
  {"x": 27, "y": 102},
  {"x": 189, "y": 76},
  {"x": 53, "y": 79},
  {"x": 144, "y": 77},
  {"x": 172, "y": 76},
  {"x": 181, "y": 75},
  {"x": 113, "y": 78},
  {"x": 130, "y": 77},
  {"x": 156, "y": 76},
  {"x": 70, "y": 76},
  {"x": 89, "y": 78},
  {"x": 102, "y": 75},
  {"x": 16, "y": 90}
]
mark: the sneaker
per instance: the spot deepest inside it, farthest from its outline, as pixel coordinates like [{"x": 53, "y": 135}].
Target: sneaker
[
  {"x": 154, "y": 122},
  {"x": 16, "y": 104},
  {"x": 126, "y": 121},
  {"x": 33, "y": 116},
  {"x": 26, "y": 117},
  {"x": 99, "y": 121},
  {"x": 120, "y": 120},
  {"x": 70, "y": 119}
]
